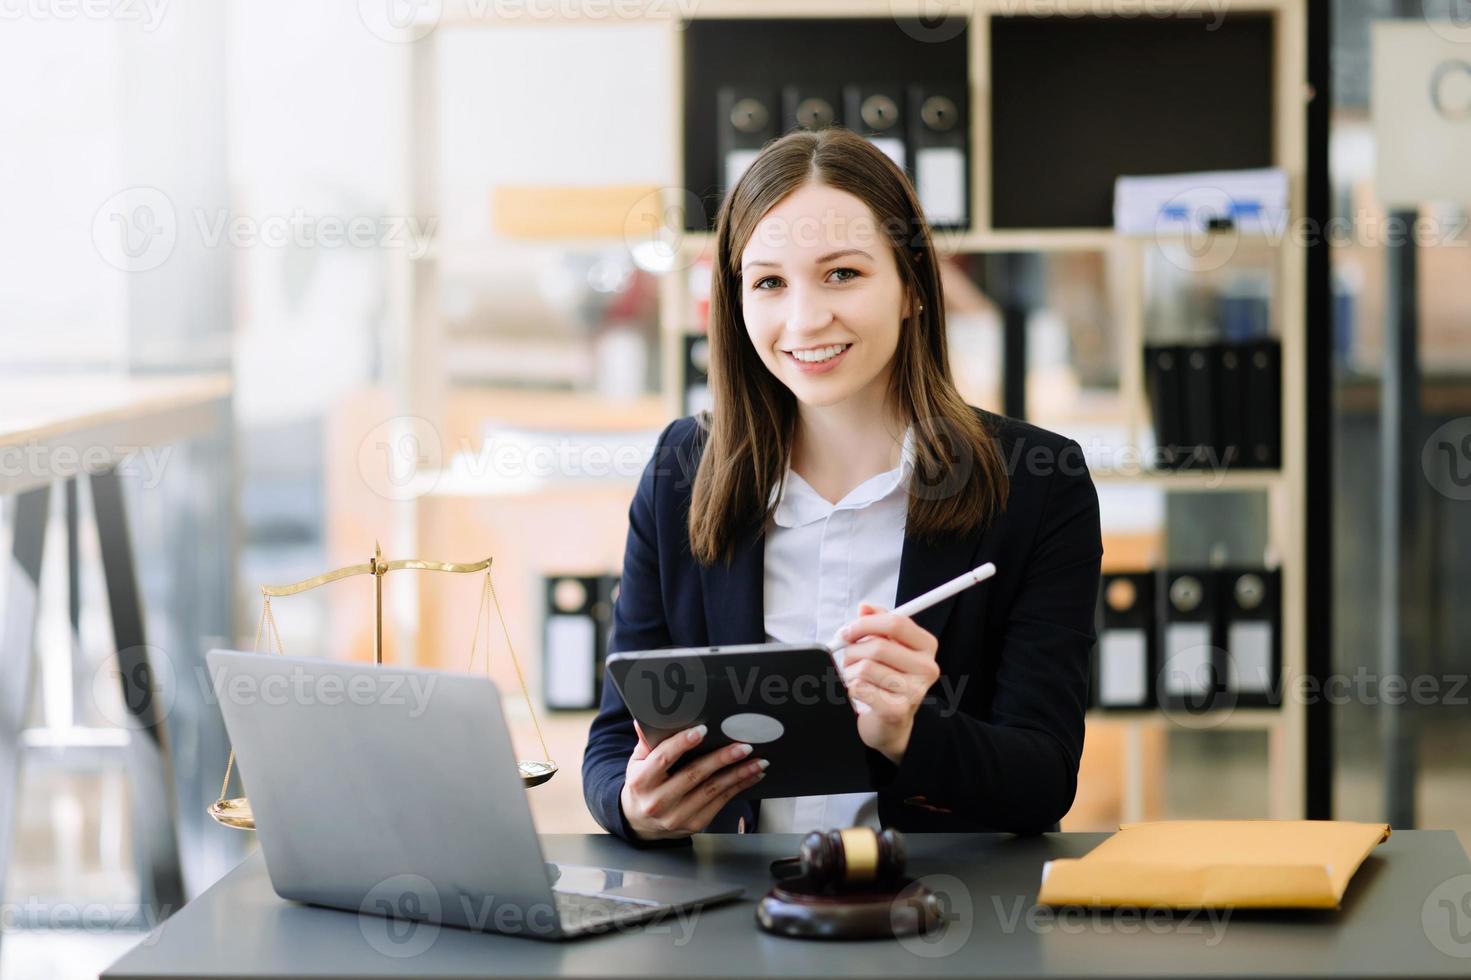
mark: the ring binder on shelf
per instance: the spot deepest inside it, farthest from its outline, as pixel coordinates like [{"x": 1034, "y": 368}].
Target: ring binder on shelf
[
  {"x": 695, "y": 395},
  {"x": 1201, "y": 405},
  {"x": 1216, "y": 406},
  {"x": 876, "y": 111},
  {"x": 1262, "y": 375},
  {"x": 1189, "y": 675},
  {"x": 1126, "y": 655},
  {"x": 1163, "y": 380},
  {"x": 746, "y": 118},
  {"x": 1199, "y": 390},
  {"x": 1231, "y": 414},
  {"x": 1251, "y": 614},
  {"x": 939, "y": 138},
  {"x": 574, "y": 636},
  {"x": 810, "y": 107}
]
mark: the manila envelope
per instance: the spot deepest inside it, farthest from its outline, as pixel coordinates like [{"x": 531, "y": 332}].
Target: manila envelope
[{"x": 1216, "y": 864}]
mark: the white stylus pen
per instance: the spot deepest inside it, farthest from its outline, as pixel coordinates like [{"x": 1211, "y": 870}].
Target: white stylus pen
[{"x": 938, "y": 594}]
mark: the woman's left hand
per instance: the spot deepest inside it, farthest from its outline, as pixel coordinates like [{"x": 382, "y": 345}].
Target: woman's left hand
[{"x": 888, "y": 666}]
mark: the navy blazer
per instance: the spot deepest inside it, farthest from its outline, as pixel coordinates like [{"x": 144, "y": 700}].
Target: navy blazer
[{"x": 996, "y": 746}]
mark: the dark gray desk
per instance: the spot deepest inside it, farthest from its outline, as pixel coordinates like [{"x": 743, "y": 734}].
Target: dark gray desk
[{"x": 239, "y": 927}]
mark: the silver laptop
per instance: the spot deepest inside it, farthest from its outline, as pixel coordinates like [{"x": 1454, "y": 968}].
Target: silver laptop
[{"x": 394, "y": 791}]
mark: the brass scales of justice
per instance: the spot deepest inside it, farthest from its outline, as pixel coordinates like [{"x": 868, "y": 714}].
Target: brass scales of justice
[{"x": 236, "y": 812}]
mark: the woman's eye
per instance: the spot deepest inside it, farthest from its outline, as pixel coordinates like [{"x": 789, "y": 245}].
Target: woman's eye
[{"x": 851, "y": 274}]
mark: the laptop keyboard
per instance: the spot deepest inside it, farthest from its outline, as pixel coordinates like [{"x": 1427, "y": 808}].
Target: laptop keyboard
[{"x": 583, "y": 912}]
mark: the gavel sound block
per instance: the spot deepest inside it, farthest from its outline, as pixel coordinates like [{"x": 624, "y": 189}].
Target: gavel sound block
[{"x": 848, "y": 884}]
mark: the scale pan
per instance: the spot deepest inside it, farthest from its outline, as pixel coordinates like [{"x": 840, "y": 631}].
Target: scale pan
[
  {"x": 533, "y": 773},
  {"x": 233, "y": 813}
]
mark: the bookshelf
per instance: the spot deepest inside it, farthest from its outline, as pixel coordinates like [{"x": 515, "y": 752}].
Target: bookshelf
[{"x": 416, "y": 332}]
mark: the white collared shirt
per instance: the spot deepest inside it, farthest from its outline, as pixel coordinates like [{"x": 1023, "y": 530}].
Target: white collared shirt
[{"x": 822, "y": 560}]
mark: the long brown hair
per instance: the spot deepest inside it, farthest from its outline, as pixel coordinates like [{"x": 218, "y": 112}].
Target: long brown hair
[{"x": 959, "y": 482}]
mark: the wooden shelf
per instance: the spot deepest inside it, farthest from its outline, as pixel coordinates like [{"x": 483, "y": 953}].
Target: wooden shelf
[
  {"x": 1440, "y": 394},
  {"x": 465, "y": 14},
  {"x": 1226, "y": 720},
  {"x": 957, "y": 241},
  {"x": 437, "y": 250},
  {"x": 948, "y": 241},
  {"x": 1027, "y": 240},
  {"x": 470, "y": 408},
  {"x": 446, "y": 483},
  {"x": 1195, "y": 481}
]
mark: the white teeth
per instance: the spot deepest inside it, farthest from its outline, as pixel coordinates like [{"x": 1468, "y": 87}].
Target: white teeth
[{"x": 819, "y": 354}]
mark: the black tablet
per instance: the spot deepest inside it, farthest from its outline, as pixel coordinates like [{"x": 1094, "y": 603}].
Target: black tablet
[{"x": 787, "y": 700}]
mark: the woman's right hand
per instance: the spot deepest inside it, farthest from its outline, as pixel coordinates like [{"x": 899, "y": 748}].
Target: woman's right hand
[{"x": 658, "y": 805}]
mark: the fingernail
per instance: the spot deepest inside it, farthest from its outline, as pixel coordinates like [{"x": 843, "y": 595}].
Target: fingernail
[
  {"x": 763, "y": 763},
  {"x": 743, "y": 750},
  {"x": 697, "y": 733}
]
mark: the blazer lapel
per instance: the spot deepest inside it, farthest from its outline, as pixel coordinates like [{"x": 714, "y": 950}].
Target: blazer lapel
[
  {"x": 924, "y": 565},
  {"x": 734, "y": 596}
]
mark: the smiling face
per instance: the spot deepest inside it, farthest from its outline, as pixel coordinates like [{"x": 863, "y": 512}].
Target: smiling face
[{"x": 822, "y": 297}]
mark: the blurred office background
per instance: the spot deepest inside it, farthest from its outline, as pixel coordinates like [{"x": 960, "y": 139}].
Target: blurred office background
[{"x": 405, "y": 241}]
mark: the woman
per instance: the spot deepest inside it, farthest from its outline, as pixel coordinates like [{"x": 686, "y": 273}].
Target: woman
[{"x": 840, "y": 464}]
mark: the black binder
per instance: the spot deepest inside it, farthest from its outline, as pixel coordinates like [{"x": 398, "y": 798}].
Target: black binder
[
  {"x": 575, "y": 636},
  {"x": 817, "y": 55},
  {"x": 746, "y": 119},
  {"x": 1163, "y": 374},
  {"x": 1199, "y": 408},
  {"x": 1263, "y": 403},
  {"x": 1231, "y": 406},
  {"x": 1126, "y": 657},
  {"x": 939, "y": 139},
  {"x": 877, "y": 112},
  {"x": 1250, "y": 601},
  {"x": 1190, "y": 676},
  {"x": 811, "y": 107},
  {"x": 695, "y": 394}
]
